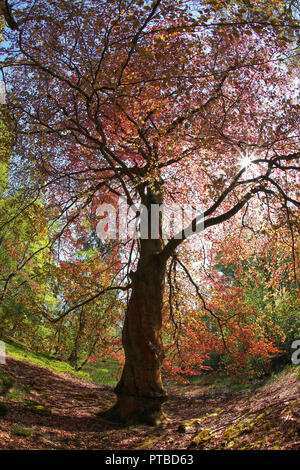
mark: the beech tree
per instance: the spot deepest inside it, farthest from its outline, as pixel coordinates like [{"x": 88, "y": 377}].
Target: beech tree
[{"x": 158, "y": 102}]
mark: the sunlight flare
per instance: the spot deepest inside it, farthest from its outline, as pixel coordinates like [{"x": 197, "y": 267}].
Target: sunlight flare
[{"x": 245, "y": 162}]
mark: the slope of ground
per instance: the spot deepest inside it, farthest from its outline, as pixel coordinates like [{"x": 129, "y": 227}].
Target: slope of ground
[{"x": 41, "y": 409}]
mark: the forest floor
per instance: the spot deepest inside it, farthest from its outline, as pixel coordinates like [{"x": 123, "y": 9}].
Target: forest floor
[{"x": 41, "y": 409}]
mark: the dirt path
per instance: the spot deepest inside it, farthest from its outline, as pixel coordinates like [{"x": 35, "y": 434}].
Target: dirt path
[{"x": 44, "y": 410}]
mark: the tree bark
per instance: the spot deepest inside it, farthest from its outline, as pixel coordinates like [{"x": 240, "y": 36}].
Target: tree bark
[{"x": 140, "y": 391}]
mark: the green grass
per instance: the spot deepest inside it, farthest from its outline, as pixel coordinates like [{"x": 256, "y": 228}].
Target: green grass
[
  {"x": 44, "y": 360},
  {"x": 280, "y": 376},
  {"x": 101, "y": 372},
  {"x": 216, "y": 381}
]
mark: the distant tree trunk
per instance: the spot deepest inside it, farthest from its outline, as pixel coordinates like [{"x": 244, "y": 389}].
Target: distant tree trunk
[{"x": 73, "y": 358}]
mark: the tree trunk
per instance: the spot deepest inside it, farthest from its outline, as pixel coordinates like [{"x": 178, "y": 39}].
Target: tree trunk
[
  {"x": 73, "y": 358},
  {"x": 140, "y": 391}
]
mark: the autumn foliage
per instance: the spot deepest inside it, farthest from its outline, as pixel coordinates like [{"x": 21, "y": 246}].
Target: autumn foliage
[{"x": 163, "y": 102}]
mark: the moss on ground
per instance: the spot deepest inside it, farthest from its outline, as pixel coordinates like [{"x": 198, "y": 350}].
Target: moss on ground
[
  {"x": 251, "y": 431},
  {"x": 21, "y": 431},
  {"x": 6, "y": 382}
]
